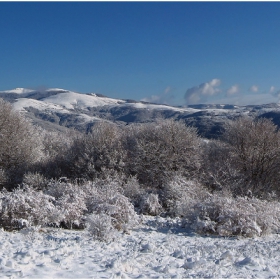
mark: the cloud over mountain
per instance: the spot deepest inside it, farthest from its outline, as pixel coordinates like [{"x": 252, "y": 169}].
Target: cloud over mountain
[
  {"x": 202, "y": 92},
  {"x": 166, "y": 97},
  {"x": 233, "y": 90},
  {"x": 254, "y": 88}
]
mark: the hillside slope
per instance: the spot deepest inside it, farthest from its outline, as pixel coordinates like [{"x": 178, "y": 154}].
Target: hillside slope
[{"x": 59, "y": 109}]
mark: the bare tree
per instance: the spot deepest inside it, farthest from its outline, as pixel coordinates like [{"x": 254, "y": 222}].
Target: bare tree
[
  {"x": 57, "y": 153},
  {"x": 99, "y": 150},
  {"x": 255, "y": 153},
  {"x": 158, "y": 150},
  {"x": 19, "y": 147},
  {"x": 217, "y": 172}
]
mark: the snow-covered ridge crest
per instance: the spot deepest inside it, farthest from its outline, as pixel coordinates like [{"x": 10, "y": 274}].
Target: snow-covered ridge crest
[
  {"x": 72, "y": 100},
  {"x": 56, "y": 96},
  {"x": 81, "y": 110}
]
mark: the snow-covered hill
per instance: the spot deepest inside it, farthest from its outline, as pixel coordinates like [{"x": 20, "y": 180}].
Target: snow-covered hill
[{"x": 57, "y": 108}]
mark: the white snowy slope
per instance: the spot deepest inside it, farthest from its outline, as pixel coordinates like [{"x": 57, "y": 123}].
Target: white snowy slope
[
  {"x": 140, "y": 105},
  {"x": 63, "y": 107},
  {"x": 156, "y": 249},
  {"x": 23, "y": 103},
  {"x": 72, "y": 100}
]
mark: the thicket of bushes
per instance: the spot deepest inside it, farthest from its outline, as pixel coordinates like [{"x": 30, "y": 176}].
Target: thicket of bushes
[{"x": 102, "y": 180}]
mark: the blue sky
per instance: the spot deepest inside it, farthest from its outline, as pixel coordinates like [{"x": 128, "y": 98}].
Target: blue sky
[{"x": 168, "y": 52}]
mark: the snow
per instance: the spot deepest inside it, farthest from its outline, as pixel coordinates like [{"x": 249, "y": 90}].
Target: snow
[
  {"x": 148, "y": 106},
  {"x": 65, "y": 101},
  {"x": 85, "y": 118},
  {"x": 158, "y": 248},
  {"x": 72, "y": 100},
  {"x": 22, "y": 103}
]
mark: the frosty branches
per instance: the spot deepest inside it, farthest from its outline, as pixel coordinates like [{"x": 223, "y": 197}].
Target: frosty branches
[{"x": 102, "y": 180}]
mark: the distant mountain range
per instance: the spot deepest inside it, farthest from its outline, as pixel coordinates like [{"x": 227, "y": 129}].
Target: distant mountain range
[{"x": 59, "y": 109}]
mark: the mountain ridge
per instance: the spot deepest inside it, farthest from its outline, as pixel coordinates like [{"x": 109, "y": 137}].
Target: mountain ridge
[{"x": 60, "y": 109}]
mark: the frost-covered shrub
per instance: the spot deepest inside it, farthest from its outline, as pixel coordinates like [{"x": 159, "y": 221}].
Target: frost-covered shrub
[
  {"x": 99, "y": 150},
  {"x": 100, "y": 226},
  {"x": 219, "y": 174},
  {"x": 99, "y": 196},
  {"x": 179, "y": 194},
  {"x": 65, "y": 203},
  {"x": 57, "y": 153},
  {"x": 3, "y": 178},
  {"x": 20, "y": 146},
  {"x": 62, "y": 186},
  {"x": 123, "y": 214},
  {"x": 132, "y": 190},
  {"x": 156, "y": 150},
  {"x": 35, "y": 180},
  {"x": 150, "y": 204},
  {"x": 72, "y": 209},
  {"x": 118, "y": 207},
  {"x": 228, "y": 216},
  {"x": 70, "y": 200},
  {"x": 254, "y": 146},
  {"x": 109, "y": 181},
  {"x": 26, "y": 206}
]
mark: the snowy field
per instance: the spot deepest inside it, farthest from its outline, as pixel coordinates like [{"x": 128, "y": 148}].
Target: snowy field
[{"x": 158, "y": 248}]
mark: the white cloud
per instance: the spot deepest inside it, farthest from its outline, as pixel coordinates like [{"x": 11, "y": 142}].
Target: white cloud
[
  {"x": 272, "y": 89},
  {"x": 233, "y": 90},
  {"x": 200, "y": 93},
  {"x": 165, "y": 98},
  {"x": 254, "y": 88},
  {"x": 152, "y": 98},
  {"x": 167, "y": 90}
]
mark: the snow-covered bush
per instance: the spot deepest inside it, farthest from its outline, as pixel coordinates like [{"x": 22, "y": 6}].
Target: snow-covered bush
[
  {"x": 66, "y": 204},
  {"x": 180, "y": 194},
  {"x": 3, "y": 178},
  {"x": 100, "y": 226},
  {"x": 27, "y": 206},
  {"x": 228, "y": 216},
  {"x": 156, "y": 150},
  {"x": 150, "y": 204},
  {"x": 105, "y": 196},
  {"x": 254, "y": 146},
  {"x": 19, "y": 145},
  {"x": 72, "y": 208},
  {"x": 63, "y": 186},
  {"x": 70, "y": 200},
  {"x": 132, "y": 190},
  {"x": 57, "y": 153},
  {"x": 97, "y": 151},
  {"x": 99, "y": 196},
  {"x": 246, "y": 159},
  {"x": 35, "y": 180},
  {"x": 114, "y": 204},
  {"x": 218, "y": 172}
]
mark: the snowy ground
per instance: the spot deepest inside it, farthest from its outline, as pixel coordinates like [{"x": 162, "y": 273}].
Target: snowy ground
[{"x": 157, "y": 249}]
